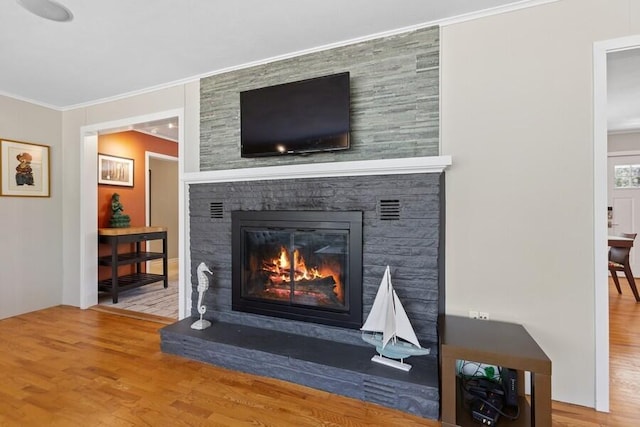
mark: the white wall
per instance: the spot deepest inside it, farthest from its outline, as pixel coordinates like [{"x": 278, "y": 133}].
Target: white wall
[
  {"x": 628, "y": 141},
  {"x": 164, "y": 203},
  {"x": 30, "y": 268},
  {"x": 517, "y": 119}
]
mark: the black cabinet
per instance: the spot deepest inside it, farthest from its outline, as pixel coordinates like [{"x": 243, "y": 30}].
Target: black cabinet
[{"x": 134, "y": 235}]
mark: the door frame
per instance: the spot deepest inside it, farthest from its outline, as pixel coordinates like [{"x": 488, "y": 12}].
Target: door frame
[
  {"x": 148, "y": 155},
  {"x": 89, "y": 206},
  {"x": 600, "y": 273}
]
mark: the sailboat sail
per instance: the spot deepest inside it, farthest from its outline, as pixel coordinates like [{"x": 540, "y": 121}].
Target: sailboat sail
[
  {"x": 404, "y": 329},
  {"x": 389, "y": 331},
  {"x": 376, "y": 321}
]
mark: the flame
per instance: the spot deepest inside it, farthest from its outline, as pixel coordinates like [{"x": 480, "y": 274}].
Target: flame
[{"x": 279, "y": 269}]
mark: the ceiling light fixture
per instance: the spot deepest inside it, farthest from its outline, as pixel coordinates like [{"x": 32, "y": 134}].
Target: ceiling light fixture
[{"x": 47, "y": 9}]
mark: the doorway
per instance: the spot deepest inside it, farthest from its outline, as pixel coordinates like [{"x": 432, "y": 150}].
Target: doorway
[
  {"x": 88, "y": 249},
  {"x": 623, "y": 195},
  {"x": 151, "y": 201},
  {"x": 601, "y": 51},
  {"x": 162, "y": 185}
]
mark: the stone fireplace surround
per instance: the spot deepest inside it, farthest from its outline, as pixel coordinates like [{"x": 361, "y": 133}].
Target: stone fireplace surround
[{"x": 320, "y": 356}]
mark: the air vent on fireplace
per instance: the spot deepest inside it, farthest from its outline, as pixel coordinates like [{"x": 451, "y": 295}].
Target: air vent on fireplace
[
  {"x": 216, "y": 210},
  {"x": 389, "y": 209}
]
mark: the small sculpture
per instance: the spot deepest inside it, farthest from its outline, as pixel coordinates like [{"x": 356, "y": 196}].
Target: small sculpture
[
  {"x": 118, "y": 219},
  {"x": 203, "y": 285}
]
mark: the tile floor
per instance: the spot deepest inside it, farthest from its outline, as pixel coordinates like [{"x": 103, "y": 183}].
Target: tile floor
[{"x": 149, "y": 299}]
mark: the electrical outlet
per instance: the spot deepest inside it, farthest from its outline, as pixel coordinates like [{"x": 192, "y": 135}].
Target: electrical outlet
[
  {"x": 483, "y": 316},
  {"x": 473, "y": 314}
]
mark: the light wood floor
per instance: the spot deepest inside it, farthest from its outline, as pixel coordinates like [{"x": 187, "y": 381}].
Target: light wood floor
[{"x": 69, "y": 367}]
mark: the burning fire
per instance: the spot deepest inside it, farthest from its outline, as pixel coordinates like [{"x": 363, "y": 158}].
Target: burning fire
[
  {"x": 279, "y": 270},
  {"x": 280, "y": 267}
]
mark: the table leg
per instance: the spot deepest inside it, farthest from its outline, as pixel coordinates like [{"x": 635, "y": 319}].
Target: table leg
[
  {"x": 164, "y": 262},
  {"x": 114, "y": 271},
  {"x": 540, "y": 400},
  {"x": 448, "y": 390}
]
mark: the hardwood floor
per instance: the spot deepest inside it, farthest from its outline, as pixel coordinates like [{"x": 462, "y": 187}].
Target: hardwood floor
[
  {"x": 624, "y": 345},
  {"x": 624, "y": 369},
  {"x": 69, "y": 367}
]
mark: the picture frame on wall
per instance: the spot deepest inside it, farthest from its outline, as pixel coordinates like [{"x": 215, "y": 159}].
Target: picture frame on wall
[
  {"x": 114, "y": 170},
  {"x": 24, "y": 169}
]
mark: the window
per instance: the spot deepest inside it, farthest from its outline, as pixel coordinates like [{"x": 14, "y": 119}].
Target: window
[{"x": 627, "y": 176}]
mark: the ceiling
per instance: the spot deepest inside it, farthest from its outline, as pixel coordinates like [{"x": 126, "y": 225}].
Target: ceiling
[
  {"x": 113, "y": 48},
  {"x": 623, "y": 91},
  {"x": 117, "y": 48},
  {"x": 166, "y": 128}
]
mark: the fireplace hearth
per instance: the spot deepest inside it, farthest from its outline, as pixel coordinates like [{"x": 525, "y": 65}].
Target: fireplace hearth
[
  {"x": 301, "y": 265},
  {"x": 334, "y": 359}
]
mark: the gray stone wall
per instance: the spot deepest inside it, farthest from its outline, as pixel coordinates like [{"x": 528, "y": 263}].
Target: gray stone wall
[
  {"x": 394, "y": 100},
  {"x": 410, "y": 244}
]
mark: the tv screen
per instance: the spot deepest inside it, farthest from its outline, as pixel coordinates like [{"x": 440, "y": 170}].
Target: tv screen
[{"x": 299, "y": 117}]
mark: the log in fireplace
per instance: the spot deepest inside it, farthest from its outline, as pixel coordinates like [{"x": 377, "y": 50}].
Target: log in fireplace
[{"x": 301, "y": 265}]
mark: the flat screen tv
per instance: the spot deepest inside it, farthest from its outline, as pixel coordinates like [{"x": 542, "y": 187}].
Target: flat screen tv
[{"x": 295, "y": 118}]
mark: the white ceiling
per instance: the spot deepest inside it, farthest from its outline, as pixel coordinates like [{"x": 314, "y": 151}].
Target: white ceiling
[
  {"x": 623, "y": 91},
  {"x": 165, "y": 128},
  {"x": 115, "y": 48}
]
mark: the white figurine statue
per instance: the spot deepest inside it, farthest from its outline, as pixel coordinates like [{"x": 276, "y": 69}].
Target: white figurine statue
[{"x": 203, "y": 285}]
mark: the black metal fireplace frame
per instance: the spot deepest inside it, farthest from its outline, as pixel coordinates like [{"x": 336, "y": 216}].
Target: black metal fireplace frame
[{"x": 304, "y": 220}]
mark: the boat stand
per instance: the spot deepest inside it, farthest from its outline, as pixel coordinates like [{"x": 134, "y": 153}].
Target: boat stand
[{"x": 392, "y": 363}]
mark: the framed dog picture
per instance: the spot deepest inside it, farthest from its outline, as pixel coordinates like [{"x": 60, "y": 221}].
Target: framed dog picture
[
  {"x": 24, "y": 169},
  {"x": 115, "y": 170}
]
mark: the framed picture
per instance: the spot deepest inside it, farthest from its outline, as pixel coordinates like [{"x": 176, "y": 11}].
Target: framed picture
[
  {"x": 24, "y": 169},
  {"x": 115, "y": 170}
]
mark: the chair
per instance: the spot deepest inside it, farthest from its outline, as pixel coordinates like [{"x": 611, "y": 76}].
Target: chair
[{"x": 619, "y": 261}]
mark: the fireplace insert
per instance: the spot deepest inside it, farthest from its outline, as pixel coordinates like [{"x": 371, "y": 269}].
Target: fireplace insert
[{"x": 301, "y": 265}]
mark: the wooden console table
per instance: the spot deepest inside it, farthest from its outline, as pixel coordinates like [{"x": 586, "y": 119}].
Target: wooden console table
[
  {"x": 137, "y": 235},
  {"x": 496, "y": 343}
]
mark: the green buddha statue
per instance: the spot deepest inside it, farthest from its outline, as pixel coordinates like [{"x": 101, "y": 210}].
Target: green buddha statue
[{"x": 118, "y": 219}]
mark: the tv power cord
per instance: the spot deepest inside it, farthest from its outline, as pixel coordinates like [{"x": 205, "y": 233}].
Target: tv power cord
[{"x": 482, "y": 391}]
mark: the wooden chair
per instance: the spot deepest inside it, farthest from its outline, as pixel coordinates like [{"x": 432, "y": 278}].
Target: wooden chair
[{"x": 619, "y": 261}]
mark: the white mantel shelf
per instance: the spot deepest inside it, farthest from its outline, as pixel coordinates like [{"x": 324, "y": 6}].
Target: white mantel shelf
[{"x": 432, "y": 164}]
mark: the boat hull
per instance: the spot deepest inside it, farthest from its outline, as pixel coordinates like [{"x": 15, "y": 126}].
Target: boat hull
[{"x": 394, "y": 350}]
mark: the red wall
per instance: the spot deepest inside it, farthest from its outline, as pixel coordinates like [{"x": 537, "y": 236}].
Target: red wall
[{"x": 131, "y": 145}]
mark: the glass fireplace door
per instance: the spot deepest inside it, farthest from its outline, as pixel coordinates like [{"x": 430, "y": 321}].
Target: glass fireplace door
[
  {"x": 296, "y": 267},
  {"x": 299, "y": 265}
]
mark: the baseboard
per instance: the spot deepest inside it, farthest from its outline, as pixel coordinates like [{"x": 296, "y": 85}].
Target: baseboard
[{"x": 133, "y": 314}]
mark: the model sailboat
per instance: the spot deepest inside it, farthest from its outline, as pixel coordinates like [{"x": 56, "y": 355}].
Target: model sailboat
[{"x": 388, "y": 328}]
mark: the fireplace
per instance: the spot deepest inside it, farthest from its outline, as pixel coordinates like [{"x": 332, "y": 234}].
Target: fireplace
[{"x": 301, "y": 265}]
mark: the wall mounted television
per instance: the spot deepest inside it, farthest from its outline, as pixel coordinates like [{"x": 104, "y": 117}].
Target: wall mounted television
[{"x": 296, "y": 118}]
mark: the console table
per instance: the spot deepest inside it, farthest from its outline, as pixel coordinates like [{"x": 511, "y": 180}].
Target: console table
[
  {"x": 495, "y": 343},
  {"x": 116, "y": 236}
]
